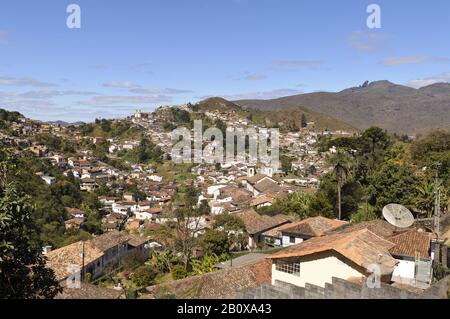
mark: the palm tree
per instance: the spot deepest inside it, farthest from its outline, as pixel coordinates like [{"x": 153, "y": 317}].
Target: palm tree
[
  {"x": 341, "y": 171},
  {"x": 425, "y": 199}
]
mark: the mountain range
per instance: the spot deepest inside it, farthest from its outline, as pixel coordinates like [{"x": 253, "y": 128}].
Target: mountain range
[{"x": 396, "y": 108}]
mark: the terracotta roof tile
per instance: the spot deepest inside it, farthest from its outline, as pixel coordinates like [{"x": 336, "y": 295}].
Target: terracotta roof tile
[
  {"x": 411, "y": 243},
  {"x": 60, "y": 259},
  {"x": 256, "y": 223},
  {"x": 108, "y": 240},
  {"x": 88, "y": 291},
  {"x": 222, "y": 284},
  {"x": 310, "y": 227},
  {"x": 362, "y": 247}
]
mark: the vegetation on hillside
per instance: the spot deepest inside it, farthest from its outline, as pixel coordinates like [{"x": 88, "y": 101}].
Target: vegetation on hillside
[
  {"x": 379, "y": 170},
  {"x": 23, "y": 274}
]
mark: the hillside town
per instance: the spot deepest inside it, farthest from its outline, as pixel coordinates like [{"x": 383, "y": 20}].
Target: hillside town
[{"x": 149, "y": 228}]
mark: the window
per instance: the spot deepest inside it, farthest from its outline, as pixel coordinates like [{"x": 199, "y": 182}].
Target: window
[
  {"x": 292, "y": 239},
  {"x": 290, "y": 268}
]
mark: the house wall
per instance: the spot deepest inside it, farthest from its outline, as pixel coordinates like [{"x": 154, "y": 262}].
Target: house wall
[
  {"x": 143, "y": 215},
  {"x": 95, "y": 268},
  {"x": 286, "y": 241},
  {"x": 217, "y": 210},
  {"x": 266, "y": 204},
  {"x": 404, "y": 272},
  {"x": 318, "y": 269}
]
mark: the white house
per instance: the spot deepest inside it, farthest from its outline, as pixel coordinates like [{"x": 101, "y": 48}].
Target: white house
[
  {"x": 122, "y": 208},
  {"x": 299, "y": 231},
  {"x": 155, "y": 178},
  {"x": 49, "y": 179},
  {"x": 348, "y": 256},
  {"x": 414, "y": 255}
]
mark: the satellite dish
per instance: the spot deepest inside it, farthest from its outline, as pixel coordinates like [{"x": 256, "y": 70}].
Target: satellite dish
[{"x": 398, "y": 215}]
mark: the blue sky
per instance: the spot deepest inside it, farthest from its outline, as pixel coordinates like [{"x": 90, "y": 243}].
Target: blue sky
[{"x": 142, "y": 54}]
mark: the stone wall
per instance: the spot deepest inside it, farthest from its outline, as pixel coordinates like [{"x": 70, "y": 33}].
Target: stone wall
[
  {"x": 220, "y": 284},
  {"x": 341, "y": 289}
]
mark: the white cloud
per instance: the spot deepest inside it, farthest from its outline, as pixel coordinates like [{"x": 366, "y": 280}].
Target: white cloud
[
  {"x": 258, "y": 95},
  {"x": 121, "y": 85},
  {"x": 101, "y": 66},
  {"x": 106, "y": 100},
  {"x": 439, "y": 78},
  {"x": 366, "y": 41},
  {"x": 298, "y": 63},
  {"x": 51, "y": 94},
  {"x": 255, "y": 77},
  {"x": 168, "y": 91},
  {"x": 25, "y": 81},
  {"x": 412, "y": 60},
  {"x": 140, "y": 66}
]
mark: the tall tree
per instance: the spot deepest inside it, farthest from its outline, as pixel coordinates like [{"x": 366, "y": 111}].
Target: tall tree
[
  {"x": 341, "y": 171},
  {"x": 187, "y": 226},
  {"x": 23, "y": 274},
  {"x": 425, "y": 198},
  {"x": 303, "y": 121}
]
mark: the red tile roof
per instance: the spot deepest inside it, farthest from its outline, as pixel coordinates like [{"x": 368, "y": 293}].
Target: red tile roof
[
  {"x": 314, "y": 226},
  {"x": 256, "y": 223},
  {"x": 362, "y": 247},
  {"x": 310, "y": 227},
  {"x": 412, "y": 243}
]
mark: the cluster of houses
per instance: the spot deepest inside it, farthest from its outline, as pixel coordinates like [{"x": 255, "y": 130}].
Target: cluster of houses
[
  {"x": 96, "y": 256},
  {"x": 401, "y": 257},
  {"x": 313, "y": 251}
]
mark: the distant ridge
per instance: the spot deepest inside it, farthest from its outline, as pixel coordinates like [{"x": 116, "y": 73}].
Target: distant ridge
[
  {"x": 281, "y": 118},
  {"x": 63, "y": 123},
  {"x": 394, "y": 107}
]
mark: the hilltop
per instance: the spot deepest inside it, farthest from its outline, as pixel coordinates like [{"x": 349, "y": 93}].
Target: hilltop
[
  {"x": 282, "y": 118},
  {"x": 393, "y": 107}
]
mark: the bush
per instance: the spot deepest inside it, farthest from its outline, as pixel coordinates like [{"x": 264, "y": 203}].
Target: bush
[
  {"x": 144, "y": 276},
  {"x": 133, "y": 260},
  {"x": 179, "y": 272}
]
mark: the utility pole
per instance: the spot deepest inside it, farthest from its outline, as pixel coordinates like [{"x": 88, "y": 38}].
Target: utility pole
[
  {"x": 82, "y": 263},
  {"x": 437, "y": 204},
  {"x": 437, "y": 216}
]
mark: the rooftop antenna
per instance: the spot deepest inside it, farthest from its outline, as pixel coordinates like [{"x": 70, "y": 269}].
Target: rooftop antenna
[
  {"x": 398, "y": 215},
  {"x": 437, "y": 203}
]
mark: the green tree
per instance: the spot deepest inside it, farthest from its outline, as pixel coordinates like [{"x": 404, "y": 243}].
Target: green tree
[
  {"x": 425, "y": 199},
  {"x": 215, "y": 242},
  {"x": 204, "y": 208},
  {"x": 392, "y": 183},
  {"x": 187, "y": 226},
  {"x": 373, "y": 144},
  {"x": 341, "y": 171},
  {"x": 228, "y": 223},
  {"x": 303, "y": 121},
  {"x": 205, "y": 265},
  {"x": 179, "y": 272},
  {"x": 365, "y": 213},
  {"x": 295, "y": 204},
  {"x": 164, "y": 261},
  {"x": 23, "y": 274},
  {"x": 144, "y": 276},
  {"x": 286, "y": 164}
]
